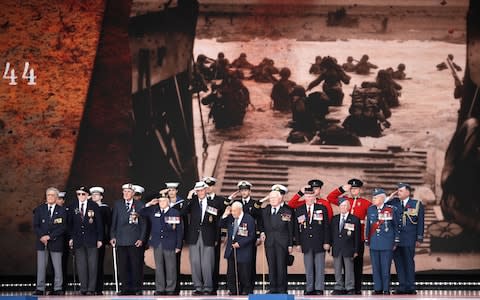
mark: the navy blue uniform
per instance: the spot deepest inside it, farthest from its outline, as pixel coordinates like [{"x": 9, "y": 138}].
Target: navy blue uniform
[
  {"x": 312, "y": 232},
  {"x": 106, "y": 213},
  {"x": 279, "y": 233},
  {"x": 382, "y": 233},
  {"x": 245, "y": 236},
  {"x": 412, "y": 219},
  {"x": 55, "y": 227}
]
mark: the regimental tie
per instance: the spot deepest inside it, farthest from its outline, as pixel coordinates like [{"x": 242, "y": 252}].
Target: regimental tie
[
  {"x": 309, "y": 214},
  {"x": 50, "y": 211},
  {"x": 82, "y": 212},
  {"x": 235, "y": 227},
  {"x": 127, "y": 206},
  {"x": 274, "y": 211},
  {"x": 342, "y": 222}
]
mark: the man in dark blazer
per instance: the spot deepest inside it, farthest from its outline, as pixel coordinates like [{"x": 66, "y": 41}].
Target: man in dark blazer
[
  {"x": 166, "y": 239},
  {"x": 202, "y": 236},
  {"x": 312, "y": 236},
  {"x": 128, "y": 234},
  {"x": 412, "y": 218},
  {"x": 97, "y": 196},
  {"x": 50, "y": 226},
  {"x": 241, "y": 240},
  {"x": 276, "y": 229},
  {"x": 346, "y": 239},
  {"x": 85, "y": 228},
  {"x": 253, "y": 208}
]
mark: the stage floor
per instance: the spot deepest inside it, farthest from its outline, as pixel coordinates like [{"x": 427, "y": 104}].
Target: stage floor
[{"x": 422, "y": 294}]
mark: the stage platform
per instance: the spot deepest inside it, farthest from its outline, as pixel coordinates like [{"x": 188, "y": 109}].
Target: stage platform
[{"x": 223, "y": 294}]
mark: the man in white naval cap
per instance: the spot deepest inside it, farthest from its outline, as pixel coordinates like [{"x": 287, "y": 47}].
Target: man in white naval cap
[
  {"x": 202, "y": 236},
  {"x": 277, "y": 233},
  {"x": 97, "y": 196}
]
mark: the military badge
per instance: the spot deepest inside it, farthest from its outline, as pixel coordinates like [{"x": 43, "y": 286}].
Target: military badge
[
  {"x": 90, "y": 220},
  {"x": 90, "y": 213},
  {"x": 58, "y": 221},
  {"x": 212, "y": 210},
  {"x": 210, "y": 219},
  {"x": 349, "y": 226},
  {"x": 301, "y": 219},
  {"x": 349, "y": 232},
  {"x": 318, "y": 216}
]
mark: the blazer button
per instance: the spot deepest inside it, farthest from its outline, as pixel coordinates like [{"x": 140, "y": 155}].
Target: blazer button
[{"x": 311, "y": 236}]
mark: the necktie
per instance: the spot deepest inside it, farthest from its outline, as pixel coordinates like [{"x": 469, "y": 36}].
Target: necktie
[
  {"x": 201, "y": 208},
  {"x": 82, "y": 213},
  {"x": 342, "y": 222},
  {"x": 127, "y": 206},
  {"x": 309, "y": 214},
  {"x": 50, "y": 211},
  {"x": 403, "y": 206},
  {"x": 274, "y": 211},
  {"x": 162, "y": 212},
  {"x": 235, "y": 227}
]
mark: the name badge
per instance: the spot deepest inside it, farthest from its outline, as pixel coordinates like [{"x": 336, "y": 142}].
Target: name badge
[
  {"x": 301, "y": 219},
  {"x": 172, "y": 220},
  {"x": 286, "y": 217},
  {"x": 58, "y": 221},
  {"x": 349, "y": 226},
  {"x": 212, "y": 210},
  {"x": 157, "y": 215}
]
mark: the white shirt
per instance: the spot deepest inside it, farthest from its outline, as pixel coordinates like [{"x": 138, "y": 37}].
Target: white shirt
[
  {"x": 129, "y": 203},
  {"x": 84, "y": 203},
  {"x": 405, "y": 202},
  {"x": 238, "y": 220},
  {"x": 275, "y": 209},
  {"x": 245, "y": 201},
  {"x": 51, "y": 208},
  {"x": 164, "y": 209}
]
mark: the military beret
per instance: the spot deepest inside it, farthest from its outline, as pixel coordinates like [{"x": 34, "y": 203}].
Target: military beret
[
  {"x": 244, "y": 185},
  {"x": 280, "y": 188},
  {"x": 341, "y": 200},
  {"x": 210, "y": 180},
  {"x": 96, "y": 189},
  {"x": 82, "y": 189},
  {"x": 128, "y": 186},
  {"x": 315, "y": 183},
  {"x": 355, "y": 182},
  {"x": 404, "y": 185},
  {"x": 172, "y": 185},
  {"x": 378, "y": 191},
  {"x": 200, "y": 185},
  {"x": 138, "y": 189}
]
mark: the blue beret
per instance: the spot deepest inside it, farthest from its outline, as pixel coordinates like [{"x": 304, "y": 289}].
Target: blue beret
[
  {"x": 404, "y": 185},
  {"x": 378, "y": 191},
  {"x": 341, "y": 200}
]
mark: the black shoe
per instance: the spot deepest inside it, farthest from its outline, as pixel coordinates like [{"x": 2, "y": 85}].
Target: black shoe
[
  {"x": 350, "y": 292},
  {"x": 318, "y": 292},
  {"x": 124, "y": 293},
  {"x": 399, "y": 292},
  {"x": 411, "y": 292},
  {"x": 210, "y": 293},
  {"x": 197, "y": 293},
  {"x": 244, "y": 293},
  {"x": 386, "y": 292},
  {"x": 158, "y": 293},
  {"x": 137, "y": 293},
  {"x": 84, "y": 293},
  {"x": 358, "y": 292},
  {"x": 57, "y": 293},
  {"x": 309, "y": 293},
  {"x": 172, "y": 293},
  {"x": 98, "y": 293},
  {"x": 338, "y": 292},
  {"x": 38, "y": 293},
  {"x": 377, "y": 293}
]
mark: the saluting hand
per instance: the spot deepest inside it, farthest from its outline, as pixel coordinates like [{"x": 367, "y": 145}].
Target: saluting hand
[
  {"x": 233, "y": 195},
  {"x": 190, "y": 194},
  {"x": 347, "y": 187},
  {"x": 152, "y": 202}
]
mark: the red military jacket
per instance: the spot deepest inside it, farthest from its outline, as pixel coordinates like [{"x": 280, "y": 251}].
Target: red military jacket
[
  {"x": 296, "y": 202},
  {"x": 358, "y": 206}
]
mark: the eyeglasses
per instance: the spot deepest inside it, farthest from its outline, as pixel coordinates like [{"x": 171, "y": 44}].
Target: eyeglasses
[{"x": 81, "y": 194}]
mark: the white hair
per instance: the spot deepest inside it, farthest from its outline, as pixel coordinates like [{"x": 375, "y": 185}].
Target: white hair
[
  {"x": 52, "y": 189},
  {"x": 237, "y": 204}
]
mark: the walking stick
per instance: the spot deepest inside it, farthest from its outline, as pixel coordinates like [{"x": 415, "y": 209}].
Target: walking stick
[
  {"x": 46, "y": 264},
  {"x": 263, "y": 268},
  {"x": 114, "y": 249},
  {"x": 236, "y": 269},
  {"x": 74, "y": 271}
]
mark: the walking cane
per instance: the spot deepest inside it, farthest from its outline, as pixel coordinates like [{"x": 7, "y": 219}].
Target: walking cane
[
  {"x": 114, "y": 249},
  {"x": 74, "y": 271},
  {"x": 46, "y": 264},
  {"x": 236, "y": 269},
  {"x": 263, "y": 268}
]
